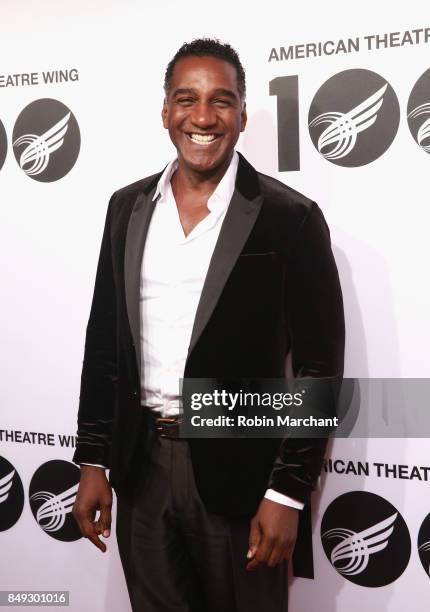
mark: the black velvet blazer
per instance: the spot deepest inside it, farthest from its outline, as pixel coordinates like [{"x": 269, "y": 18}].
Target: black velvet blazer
[{"x": 272, "y": 286}]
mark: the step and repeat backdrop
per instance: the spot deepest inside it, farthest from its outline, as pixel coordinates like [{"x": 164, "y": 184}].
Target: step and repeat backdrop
[{"x": 339, "y": 108}]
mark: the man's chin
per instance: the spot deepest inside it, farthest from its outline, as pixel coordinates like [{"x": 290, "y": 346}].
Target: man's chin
[{"x": 204, "y": 164}]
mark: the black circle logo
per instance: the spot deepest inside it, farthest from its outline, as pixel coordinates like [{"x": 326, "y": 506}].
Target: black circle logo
[
  {"x": 424, "y": 544},
  {"x": 11, "y": 495},
  {"x": 46, "y": 140},
  {"x": 354, "y": 117},
  {"x": 52, "y": 494},
  {"x": 3, "y": 145},
  {"x": 365, "y": 539},
  {"x": 419, "y": 111}
]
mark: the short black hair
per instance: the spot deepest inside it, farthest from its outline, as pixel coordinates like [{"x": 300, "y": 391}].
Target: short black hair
[{"x": 208, "y": 47}]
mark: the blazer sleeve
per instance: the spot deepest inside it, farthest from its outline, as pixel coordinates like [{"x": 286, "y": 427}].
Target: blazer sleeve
[
  {"x": 317, "y": 330},
  {"x": 99, "y": 372}
]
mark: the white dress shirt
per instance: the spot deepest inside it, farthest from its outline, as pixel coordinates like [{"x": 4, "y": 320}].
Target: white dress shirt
[{"x": 174, "y": 268}]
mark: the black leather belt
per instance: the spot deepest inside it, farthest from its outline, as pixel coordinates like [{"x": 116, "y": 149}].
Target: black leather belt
[{"x": 167, "y": 427}]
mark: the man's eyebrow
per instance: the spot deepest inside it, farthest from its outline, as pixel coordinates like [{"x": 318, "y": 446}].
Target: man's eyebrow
[
  {"x": 225, "y": 92},
  {"x": 218, "y": 92},
  {"x": 184, "y": 90}
]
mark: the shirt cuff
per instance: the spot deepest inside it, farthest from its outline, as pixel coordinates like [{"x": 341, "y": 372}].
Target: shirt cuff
[
  {"x": 94, "y": 465},
  {"x": 279, "y": 498}
]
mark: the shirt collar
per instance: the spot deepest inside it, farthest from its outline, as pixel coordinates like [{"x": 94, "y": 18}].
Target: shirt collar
[
  {"x": 223, "y": 193},
  {"x": 164, "y": 179}
]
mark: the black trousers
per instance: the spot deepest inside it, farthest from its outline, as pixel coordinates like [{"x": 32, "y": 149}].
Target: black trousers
[{"x": 177, "y": 557}]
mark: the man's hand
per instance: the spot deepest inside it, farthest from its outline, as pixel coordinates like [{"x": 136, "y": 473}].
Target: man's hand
[
  {"x": 94, "y": 493},
  {"x": 272, "y": 534}
]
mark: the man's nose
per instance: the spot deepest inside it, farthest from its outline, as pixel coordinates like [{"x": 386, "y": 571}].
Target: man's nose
[{"x": 203, "y": 116}]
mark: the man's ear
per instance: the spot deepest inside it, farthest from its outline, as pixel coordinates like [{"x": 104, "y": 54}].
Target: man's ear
[
  {"x": 243, "y": 117},
  {"x": 164, "y": 112}
]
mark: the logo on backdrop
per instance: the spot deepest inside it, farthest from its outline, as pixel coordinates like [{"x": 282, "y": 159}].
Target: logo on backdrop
[
  {"x": 424, "y": 544},
  {"x": 3, "y": 145},
  {"x": 11, "y": 495},
  {"x": 46, "y": 140},
  {"x": 365, "y": 539},
  {"x": 419, "y": 111},
  {"x": 52, "y": 494},
  {"x": 354, "y": 117}
]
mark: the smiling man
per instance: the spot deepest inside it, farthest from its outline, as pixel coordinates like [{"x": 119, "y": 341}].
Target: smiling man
[{"x": 207, "y": 269}]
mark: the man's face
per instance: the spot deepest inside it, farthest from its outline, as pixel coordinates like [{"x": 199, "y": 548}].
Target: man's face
[{"x": 203, "y": 112}]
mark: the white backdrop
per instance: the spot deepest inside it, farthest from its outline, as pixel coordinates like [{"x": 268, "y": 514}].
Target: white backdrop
[{"x": 51, "y": 231}]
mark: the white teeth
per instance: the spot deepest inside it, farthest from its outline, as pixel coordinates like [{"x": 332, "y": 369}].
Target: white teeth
[{"x": 202, "y": 138}]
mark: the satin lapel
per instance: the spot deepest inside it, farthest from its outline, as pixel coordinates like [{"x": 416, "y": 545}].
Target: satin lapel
[
  {"x": 238, "y": 223},
  {"x": 136, "y": 235}
]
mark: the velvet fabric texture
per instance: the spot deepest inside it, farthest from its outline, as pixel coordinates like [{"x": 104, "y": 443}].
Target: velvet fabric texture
[{"x": 272, "y": 287}]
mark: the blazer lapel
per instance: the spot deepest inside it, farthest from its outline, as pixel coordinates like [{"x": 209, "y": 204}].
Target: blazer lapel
[
  {"x": 237, "y": 225},
  {"x": 136, "y": 235}
]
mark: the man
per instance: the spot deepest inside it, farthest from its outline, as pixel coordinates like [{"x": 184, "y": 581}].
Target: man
[{"x": 207, "y": 270}]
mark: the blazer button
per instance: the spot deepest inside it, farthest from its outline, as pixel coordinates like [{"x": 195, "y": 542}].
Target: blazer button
[{"x": 135, "y": 393}]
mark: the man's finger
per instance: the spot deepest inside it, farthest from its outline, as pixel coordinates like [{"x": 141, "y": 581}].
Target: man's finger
[
  {"x": 277, "y": 554},
  {"x": 89, "y": 530},
  {"x": 104, "y": 521},
  {"x": 262, "y": 553},
  {"x": 288, "y": 552},
  {"x": 93, "y": 537},
  {"x": 254, "y": 538},
  {"x": 83, "y": 518}
]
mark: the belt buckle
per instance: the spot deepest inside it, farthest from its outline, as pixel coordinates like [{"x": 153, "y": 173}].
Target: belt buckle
[{"x": 162, "y": 425}]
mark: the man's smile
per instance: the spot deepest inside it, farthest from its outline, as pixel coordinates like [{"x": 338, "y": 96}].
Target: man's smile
[{"x": 202, "y": 139}]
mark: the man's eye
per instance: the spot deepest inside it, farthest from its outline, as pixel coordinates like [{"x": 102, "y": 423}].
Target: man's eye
[
  {"x": 222, "y": 103},
  {"x": 185, "y": 101}
]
